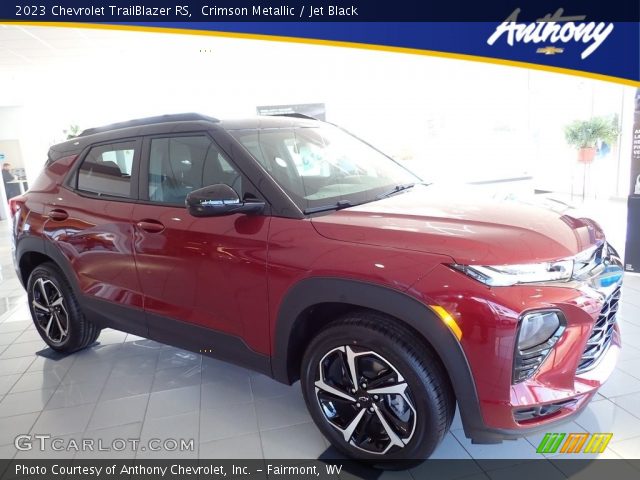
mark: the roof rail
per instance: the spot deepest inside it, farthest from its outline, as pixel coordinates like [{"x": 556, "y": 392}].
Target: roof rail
[
  {"x": 177, "y": 117},
  {"x": 292, "y": 114}
]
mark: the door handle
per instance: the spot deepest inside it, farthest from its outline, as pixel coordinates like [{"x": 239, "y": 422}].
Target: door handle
[
  {"x": 151, "y": 226},
  {"x": 58, "y": 214}
]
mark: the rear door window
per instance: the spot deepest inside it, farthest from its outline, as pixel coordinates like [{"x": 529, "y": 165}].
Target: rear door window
[{"x": 106, "y": 170}]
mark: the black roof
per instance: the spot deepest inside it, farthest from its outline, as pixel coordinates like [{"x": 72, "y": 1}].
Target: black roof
[
  {"x": 179, "y": 122},
  {"x": 176, "y": 117},
  {"x": 262, "y": 121}
]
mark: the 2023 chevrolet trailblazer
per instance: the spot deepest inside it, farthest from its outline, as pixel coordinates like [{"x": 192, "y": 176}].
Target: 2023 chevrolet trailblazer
[{"x": 304, "y": 253}]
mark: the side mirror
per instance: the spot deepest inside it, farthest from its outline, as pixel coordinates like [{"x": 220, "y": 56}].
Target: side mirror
[{"x": 219, "y": 200}]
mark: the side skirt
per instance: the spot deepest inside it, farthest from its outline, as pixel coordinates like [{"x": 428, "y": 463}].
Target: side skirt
[
  {"x": 194, "y": 338},
  {"x": 211, "y": 343},
  {"x": 113, "y": 315}
]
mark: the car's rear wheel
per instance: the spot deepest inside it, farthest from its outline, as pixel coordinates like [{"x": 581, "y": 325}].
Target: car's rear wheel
[
  {"x": 56, "y": 313},
  {"x": 376, "y": 392}
]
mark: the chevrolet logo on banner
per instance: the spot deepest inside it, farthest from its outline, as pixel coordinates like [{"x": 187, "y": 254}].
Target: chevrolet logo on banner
[
  {"x": 574, "y": 442},
  {"x": 550, "y": 50}
]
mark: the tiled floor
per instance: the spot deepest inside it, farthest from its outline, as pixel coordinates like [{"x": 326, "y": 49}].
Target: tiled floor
[{"x": 128, "y": 387}]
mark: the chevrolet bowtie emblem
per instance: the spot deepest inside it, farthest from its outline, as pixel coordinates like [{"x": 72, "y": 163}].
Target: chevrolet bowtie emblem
[{"x": 550, "y": 50}]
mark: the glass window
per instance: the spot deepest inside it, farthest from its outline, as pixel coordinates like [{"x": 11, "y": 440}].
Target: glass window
[
  {"x": 107, "y": 170},
  {"x": 318, "y": 166},
  {"x": 179, "y": 165}
]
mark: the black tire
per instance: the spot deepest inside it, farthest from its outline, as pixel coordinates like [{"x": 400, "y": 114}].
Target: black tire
[
  {"x": 374, "y": 340},
  {"x": 53, "y": 304}
]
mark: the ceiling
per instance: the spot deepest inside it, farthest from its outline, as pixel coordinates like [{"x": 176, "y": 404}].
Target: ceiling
[{"x": 34, "y": 47}]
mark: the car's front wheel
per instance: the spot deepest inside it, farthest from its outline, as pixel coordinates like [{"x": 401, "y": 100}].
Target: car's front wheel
[
  {"x": 56, "y": 312},
  {"x": 376, "y": 392}
]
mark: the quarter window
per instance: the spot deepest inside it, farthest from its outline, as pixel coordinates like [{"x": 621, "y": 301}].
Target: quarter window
[
  {"x": 106, "y": 170},
  {"x": 179, "y": 165}
]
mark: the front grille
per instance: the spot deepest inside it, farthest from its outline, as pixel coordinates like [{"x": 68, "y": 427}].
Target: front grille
[{"x": 602, "y": 333}]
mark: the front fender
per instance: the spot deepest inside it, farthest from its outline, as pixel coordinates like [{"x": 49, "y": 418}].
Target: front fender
[{"x": 405, "y": 308}]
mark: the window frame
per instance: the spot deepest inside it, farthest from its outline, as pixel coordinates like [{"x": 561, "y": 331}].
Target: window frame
[
  {"x": 72, "y": 180},
  {"x": 143, "y": 178}
]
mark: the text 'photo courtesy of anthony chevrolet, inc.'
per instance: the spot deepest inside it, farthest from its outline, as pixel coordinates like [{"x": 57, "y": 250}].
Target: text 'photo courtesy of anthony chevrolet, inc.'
[
  {"x": 160, "y": 469},
  {"x": 319, "y": 239}
]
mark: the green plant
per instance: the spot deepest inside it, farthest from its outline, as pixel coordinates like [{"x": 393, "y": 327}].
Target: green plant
[
  {"x": 586, "y": 133},
  {"x": 72, "y": 131}
]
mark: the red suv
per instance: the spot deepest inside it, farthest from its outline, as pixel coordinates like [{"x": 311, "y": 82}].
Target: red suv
[{"x": 288, "y": 246}]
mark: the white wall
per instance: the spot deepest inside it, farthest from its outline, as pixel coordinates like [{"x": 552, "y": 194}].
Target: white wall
[{"x": 10, "y": 129}]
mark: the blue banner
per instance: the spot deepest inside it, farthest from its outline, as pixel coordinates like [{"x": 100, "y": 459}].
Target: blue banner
[{"x": 589, "y": 38}]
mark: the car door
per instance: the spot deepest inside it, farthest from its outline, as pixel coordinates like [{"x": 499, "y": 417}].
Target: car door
[
  {"x": 90, "y": 224},
  {"x": 203, "y": 279}
]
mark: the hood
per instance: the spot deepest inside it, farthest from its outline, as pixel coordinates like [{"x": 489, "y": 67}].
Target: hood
[{"x": 470, "y": 231}]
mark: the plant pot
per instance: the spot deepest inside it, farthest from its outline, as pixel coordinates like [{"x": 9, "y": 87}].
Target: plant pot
[{"x": 586, "y": 155}]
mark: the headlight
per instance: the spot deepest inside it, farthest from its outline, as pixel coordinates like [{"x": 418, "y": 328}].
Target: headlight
[{"x": 506, "y": 275}]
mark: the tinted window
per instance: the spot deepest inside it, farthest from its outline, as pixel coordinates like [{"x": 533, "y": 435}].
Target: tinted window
[
  {"x": 179, "y": 165},
  {"x": 107, "y": 170},
  {"x": 319, "y": 166}
]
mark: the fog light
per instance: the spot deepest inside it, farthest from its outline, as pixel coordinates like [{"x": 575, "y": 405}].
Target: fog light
[
  {"x": 537, "y": 328},
  {"x": 538, "y": 332}
]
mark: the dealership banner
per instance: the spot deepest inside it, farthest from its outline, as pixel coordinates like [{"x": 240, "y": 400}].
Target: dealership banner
[{"x": 594, "y": 39}]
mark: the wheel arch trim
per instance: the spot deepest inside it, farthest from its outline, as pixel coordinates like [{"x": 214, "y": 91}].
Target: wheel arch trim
[
  {"x": 406, "y": 309},
  {"x": 39, "y": 245}
]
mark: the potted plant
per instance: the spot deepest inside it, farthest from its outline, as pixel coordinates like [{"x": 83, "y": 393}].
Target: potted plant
[
  {"x": 585, "y": 134},
  {"x": 72, "y": 131}
]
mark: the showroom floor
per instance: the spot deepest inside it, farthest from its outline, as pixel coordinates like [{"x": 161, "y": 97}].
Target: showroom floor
[{"x": 128, "y": 387}]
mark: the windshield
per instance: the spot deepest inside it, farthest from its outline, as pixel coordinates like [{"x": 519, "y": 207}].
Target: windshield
[{"x": 321, "y": 166}]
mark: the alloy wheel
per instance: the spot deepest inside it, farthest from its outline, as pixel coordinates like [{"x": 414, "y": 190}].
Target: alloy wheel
[
  {"x": 50, "y": 310},
  {"x": 363, "y": 396}
]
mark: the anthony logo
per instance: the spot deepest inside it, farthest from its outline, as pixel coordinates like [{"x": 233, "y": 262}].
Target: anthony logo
[
  {"x": 552, "y": 29},
  {"x": 574, "y": 443}
]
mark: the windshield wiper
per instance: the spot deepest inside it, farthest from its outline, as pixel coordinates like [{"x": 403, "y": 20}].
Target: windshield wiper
[
  {"x": 397, "y": 188},
  {"x": 325, "y": 208},
  {"x": 346, "y": 203}
]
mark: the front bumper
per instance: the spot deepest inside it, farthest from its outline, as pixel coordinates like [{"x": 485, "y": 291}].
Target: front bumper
[
  {"x": 488, "y": 318},
  {"x": 529, "y": 414}
]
